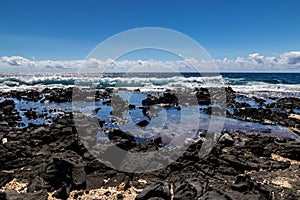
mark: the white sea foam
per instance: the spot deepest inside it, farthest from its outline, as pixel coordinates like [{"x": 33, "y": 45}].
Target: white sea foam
[
  {"x": 94, "y": 81},
  {"x": 267, "y": 89},
  {"x": 145, "y": 82}
]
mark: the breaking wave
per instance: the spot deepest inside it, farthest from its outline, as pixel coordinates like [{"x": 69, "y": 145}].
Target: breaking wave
[
  {"x": 266, "y": 84},
  {"x": 107, "y": 81}
]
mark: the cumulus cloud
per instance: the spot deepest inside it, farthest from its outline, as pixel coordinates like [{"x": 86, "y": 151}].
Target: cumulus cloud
[
  {"x": 258, "y": 62},
  {"x": 254, "y": 62},
  {"x": 292, "y": 58},
  {"x": 258, "y": 59},
  {"x": 17, "y": 61}
]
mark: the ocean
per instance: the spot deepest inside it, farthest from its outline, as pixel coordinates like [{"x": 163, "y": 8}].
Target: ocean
[
  {"x": 257, "y": 81},
  {"x": 260, "y": 84}
]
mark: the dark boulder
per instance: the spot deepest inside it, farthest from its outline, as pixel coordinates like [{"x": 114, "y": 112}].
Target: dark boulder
[
  {"x": 121, "y": 139},
  {"x": 143, "y": 123},
  {"x": 157, "y": 189}
]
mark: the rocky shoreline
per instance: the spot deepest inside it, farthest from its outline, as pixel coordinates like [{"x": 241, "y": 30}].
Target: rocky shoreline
[{"x": 51, "y": 162}]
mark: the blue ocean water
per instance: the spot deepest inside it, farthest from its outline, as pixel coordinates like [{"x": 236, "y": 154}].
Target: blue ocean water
[
  {"x": 259, "y": 84},
  {"x": 271, "y": 78}
]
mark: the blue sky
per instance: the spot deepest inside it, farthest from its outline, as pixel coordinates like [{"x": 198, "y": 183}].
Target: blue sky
[{"x": 70, "y": 29}]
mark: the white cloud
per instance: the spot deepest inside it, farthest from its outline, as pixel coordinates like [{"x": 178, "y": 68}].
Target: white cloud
[
  {"x": 258, "y": 59},
  {"x": 17, "y": 61},
  {"x": 254, "y": 62},
  {"x": 292, "y": 58},
  {"x": 257, "y": 62}
]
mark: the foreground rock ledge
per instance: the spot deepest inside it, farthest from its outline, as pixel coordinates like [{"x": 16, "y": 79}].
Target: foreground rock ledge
[
  {"x": 46, "y": 162},
  {"x": 51, "y": 162}
]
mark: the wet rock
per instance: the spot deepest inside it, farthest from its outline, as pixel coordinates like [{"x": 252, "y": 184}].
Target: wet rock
[
  {"x": 258, "y": 100},
  {"x": 158, "y": 141},
  {"x": 121, "y": 139},
  {"x": 288, "y": 102},
  {"x": 143, "y": 123},
  {"x": 241, "y": 105},
  {"x": 131, "y": 107},
  {"x": 97, "y": 110},
  {"x": 168, "y": 98},
  {"x": 150, "y": 100}
]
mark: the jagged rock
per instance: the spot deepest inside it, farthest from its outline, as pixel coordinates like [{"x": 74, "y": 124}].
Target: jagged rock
[
  {"x": 158, "y": 189},
  {"x": 188, "y": 189}
]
